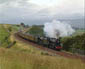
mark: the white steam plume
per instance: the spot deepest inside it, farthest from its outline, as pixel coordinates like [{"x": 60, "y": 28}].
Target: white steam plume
[{"x": 57, "y": 29}]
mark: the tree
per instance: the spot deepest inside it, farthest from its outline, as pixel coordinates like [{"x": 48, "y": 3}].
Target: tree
[{"x": 22, "y": 24}]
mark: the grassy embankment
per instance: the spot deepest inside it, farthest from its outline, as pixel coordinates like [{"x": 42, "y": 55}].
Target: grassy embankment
[
  {"x": 24, "y": 56},
  {"x": 4, "y": 36},
  {"x": 6, "y": 30}
]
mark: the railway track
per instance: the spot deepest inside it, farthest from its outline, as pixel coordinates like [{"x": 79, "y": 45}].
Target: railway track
[{"x": 64, "y": 54}]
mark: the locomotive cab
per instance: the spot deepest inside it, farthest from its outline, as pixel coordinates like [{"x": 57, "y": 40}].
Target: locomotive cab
[{"x": 58, "y": 44}]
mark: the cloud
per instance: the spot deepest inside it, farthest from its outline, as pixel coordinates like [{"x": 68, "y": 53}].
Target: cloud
[
  {"x": 18, "y": 8},
  {"x": 66, "y": 7},
  {"x": 5, "y": 1},
  {"x": 14, "y": 11}
]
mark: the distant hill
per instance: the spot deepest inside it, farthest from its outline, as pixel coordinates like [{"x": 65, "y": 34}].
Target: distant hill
[
  {"x": 5, "y": 32},
  {"x": 36, "y": 30}
]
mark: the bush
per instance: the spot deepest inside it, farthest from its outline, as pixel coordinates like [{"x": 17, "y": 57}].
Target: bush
[{"x": 77, "y": 42}]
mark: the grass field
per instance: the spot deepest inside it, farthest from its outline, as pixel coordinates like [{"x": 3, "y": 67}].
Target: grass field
[
  {"x": 25, "y": 56},
  {"x": 10, "y": 59},
  {"x": 3, "y": 33}
]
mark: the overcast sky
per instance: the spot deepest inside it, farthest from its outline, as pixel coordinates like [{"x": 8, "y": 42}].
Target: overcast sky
[{"x": 34, "y": 11}]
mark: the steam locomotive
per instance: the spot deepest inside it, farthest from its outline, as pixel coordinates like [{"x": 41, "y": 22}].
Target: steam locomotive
[{"x": 52, "y": 43}]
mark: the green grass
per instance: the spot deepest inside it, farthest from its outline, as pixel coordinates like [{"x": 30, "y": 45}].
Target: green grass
[
  {"x": 15, "y": 28},
  {"x": 4, "y": 36},
  {"x": 3, "y": 33},
  {"x": 6, "y": 30}
]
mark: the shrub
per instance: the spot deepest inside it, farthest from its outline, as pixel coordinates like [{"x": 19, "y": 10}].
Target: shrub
[{"x": 77, "y": 42}]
